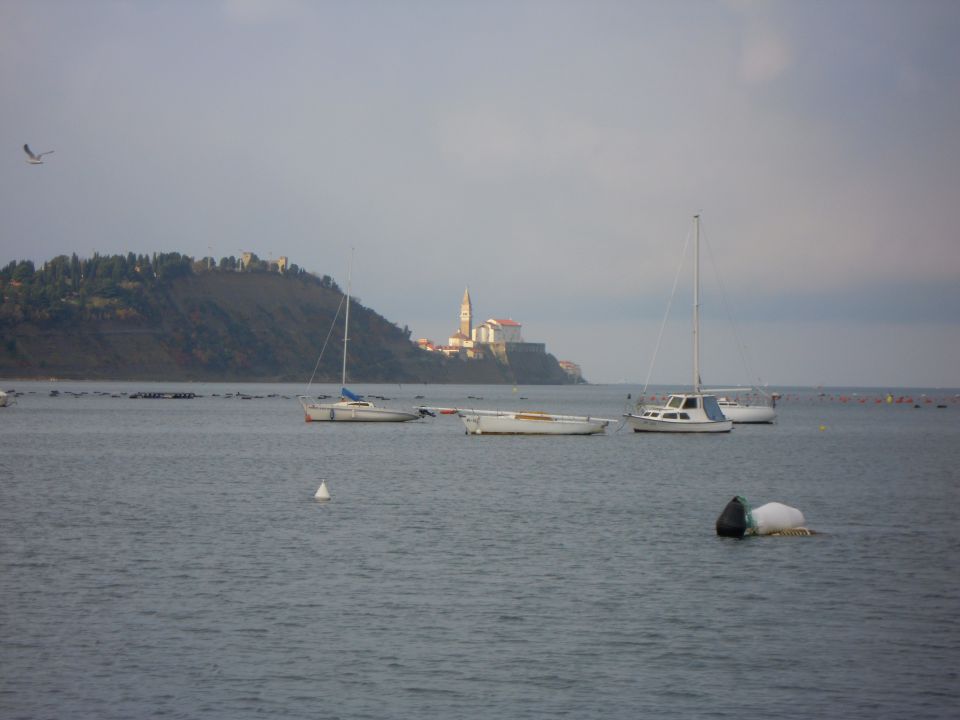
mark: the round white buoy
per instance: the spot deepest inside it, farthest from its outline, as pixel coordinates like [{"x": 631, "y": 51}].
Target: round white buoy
[{"x": 322, "y": 492}]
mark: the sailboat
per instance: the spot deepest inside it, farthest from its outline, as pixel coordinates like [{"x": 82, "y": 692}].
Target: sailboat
[
  {"x": 739, "y": 412},
  {"x": 350, "y": 407},
  {"x": 685, "y": 412}
]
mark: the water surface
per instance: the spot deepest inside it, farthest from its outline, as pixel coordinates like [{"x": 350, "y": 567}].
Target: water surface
[{"x": 166, "y": 557}]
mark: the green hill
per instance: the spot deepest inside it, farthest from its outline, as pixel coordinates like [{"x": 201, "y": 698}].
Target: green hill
[{"x": 168, "y": 317}]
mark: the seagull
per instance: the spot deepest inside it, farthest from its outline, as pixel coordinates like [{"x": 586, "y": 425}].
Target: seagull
[{"x": 34, "y": 158}]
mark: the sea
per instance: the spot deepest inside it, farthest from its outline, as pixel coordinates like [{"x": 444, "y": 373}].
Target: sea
[{"x": 167, "y": 558}]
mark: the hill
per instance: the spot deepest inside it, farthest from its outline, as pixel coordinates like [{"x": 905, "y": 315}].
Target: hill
[{"x": 168, "y": 317}]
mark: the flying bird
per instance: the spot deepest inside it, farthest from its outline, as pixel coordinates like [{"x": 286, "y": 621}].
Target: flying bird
[{"x": 34, "y": 158}]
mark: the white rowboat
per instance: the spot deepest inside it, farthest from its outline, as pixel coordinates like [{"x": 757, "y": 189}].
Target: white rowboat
[
  {"x": 506, "y": 422},
  {"x": 521, "y": 422}
]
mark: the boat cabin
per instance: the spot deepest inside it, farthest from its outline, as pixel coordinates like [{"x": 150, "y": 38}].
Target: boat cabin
[{"x": 687, "y": 407}]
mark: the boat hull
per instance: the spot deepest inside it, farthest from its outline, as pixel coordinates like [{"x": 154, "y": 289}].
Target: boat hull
[
  {"x": 336, "y": 412},
  {"x": 642, "y": 424},
  {"x": 516, "y": 424},
  {"x": 749, "y": 413}
]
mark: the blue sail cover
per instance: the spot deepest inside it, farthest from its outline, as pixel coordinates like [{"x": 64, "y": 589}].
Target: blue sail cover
[{"x": 349, "y": 395}]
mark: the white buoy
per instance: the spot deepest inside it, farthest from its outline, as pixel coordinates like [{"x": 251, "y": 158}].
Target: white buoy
[{"x": 322, "y": 492}]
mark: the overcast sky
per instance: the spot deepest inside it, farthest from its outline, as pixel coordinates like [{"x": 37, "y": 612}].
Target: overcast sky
[{"x": 549, "y": 155}]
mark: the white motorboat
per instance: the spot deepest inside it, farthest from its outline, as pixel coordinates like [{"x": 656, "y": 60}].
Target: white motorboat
[
  {"x": 694, "y": 412},
  {"x": 507, "y": 422},
  {"x": 350, "y": 407},
  {"x": 737, "y": 412},
  {"x": 684, "y": 412}
]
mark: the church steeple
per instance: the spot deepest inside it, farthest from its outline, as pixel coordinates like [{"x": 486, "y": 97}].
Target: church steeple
[{"x": 466, "y": 315}]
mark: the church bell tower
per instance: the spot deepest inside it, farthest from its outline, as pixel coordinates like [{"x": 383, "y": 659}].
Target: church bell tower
[{"x": 466, "y": 315}]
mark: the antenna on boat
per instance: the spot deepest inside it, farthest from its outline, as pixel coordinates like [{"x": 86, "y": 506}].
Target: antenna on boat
[{"x": 696, "y": 305}]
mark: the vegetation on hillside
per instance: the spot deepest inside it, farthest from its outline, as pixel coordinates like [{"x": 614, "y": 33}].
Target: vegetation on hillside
[
  {"x": 167, "y": 316},
  {"x": 109, "y": 286}
]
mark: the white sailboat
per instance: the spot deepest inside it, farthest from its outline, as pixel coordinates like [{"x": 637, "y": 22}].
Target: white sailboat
[
  {"x": 685, "y": 412},
  {"x": 350, "y": 407},
  {"x": 739, "y": 412}
]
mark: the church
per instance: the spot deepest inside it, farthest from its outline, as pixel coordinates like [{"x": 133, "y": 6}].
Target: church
[
  {"x": 499, "y": 339},
  {"x": 470, "y": 341},
  {"x": 492, "y": 336}
]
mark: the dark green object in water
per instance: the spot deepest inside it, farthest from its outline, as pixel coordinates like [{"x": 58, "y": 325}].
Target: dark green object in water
[{"x": 736, "y": 518}]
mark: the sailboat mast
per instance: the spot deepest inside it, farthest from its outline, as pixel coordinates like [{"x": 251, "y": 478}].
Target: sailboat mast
[
  {"x": 696, "y": 306},
  {"x": 346, "y": 325}
]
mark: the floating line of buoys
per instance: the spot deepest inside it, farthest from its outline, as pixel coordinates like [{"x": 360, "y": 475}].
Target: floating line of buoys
[{"x": 162, "y": 396}]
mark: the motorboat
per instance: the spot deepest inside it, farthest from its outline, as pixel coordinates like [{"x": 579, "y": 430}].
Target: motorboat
[
  {"x": 683, "y": 412},
  {"x": 693, "y": 412}
]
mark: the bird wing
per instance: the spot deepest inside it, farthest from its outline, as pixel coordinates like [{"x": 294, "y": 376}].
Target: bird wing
[
  {"x": 47, "y": 152},
  {"x": 28, "y": 151}
]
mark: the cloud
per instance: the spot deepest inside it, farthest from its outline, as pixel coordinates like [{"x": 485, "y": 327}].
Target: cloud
[
  {"x": 549, "y": 156},
  {"x": 765, "y": 55},
  {"x": 257, "y": 12}
]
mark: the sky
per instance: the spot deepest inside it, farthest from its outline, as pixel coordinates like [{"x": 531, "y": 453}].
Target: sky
[{"x": 549, "y": 155}]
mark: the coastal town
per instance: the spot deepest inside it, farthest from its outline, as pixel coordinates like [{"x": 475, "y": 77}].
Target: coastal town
[{"x": 493, "y": 337}]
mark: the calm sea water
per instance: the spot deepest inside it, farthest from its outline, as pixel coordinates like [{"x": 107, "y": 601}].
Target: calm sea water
[{"x": 167, "y": 558}]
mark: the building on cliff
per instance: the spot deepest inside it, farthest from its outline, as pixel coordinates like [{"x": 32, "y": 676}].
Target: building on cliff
[
  {"x": 497, "y": 337},
  {"x": 572, "y": 369}
]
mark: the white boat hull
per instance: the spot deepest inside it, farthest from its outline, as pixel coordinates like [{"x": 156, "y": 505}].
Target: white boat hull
[
  {"x": 749, "y": 413},
  {"x": 642, "y": 424},
  {"x": 354, "y": 412},
  {"x": 508, "y": 423}
]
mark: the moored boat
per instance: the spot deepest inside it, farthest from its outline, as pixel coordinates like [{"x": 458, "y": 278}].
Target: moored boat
[
  {"x": 685, "y": 412},
  {"x": 350, "y": 407},
  {"x": 740, "y": 413},
  {"x": 521, "y": 422},
  {"x": 506, "y": 422},
  {"x": 693, "y": 412}
]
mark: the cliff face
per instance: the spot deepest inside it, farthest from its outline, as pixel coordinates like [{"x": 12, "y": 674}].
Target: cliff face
[{"x": 239, "y": 326}]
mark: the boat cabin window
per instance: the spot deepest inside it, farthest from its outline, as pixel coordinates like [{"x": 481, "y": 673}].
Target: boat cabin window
[
  {"x": 669, "y": 416},
  {"x": 675, "y": 401},
  {"x": 712, "y": 409},
  {"x": 690, "y": 403},
  {"x": 684, "y": 416}
]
